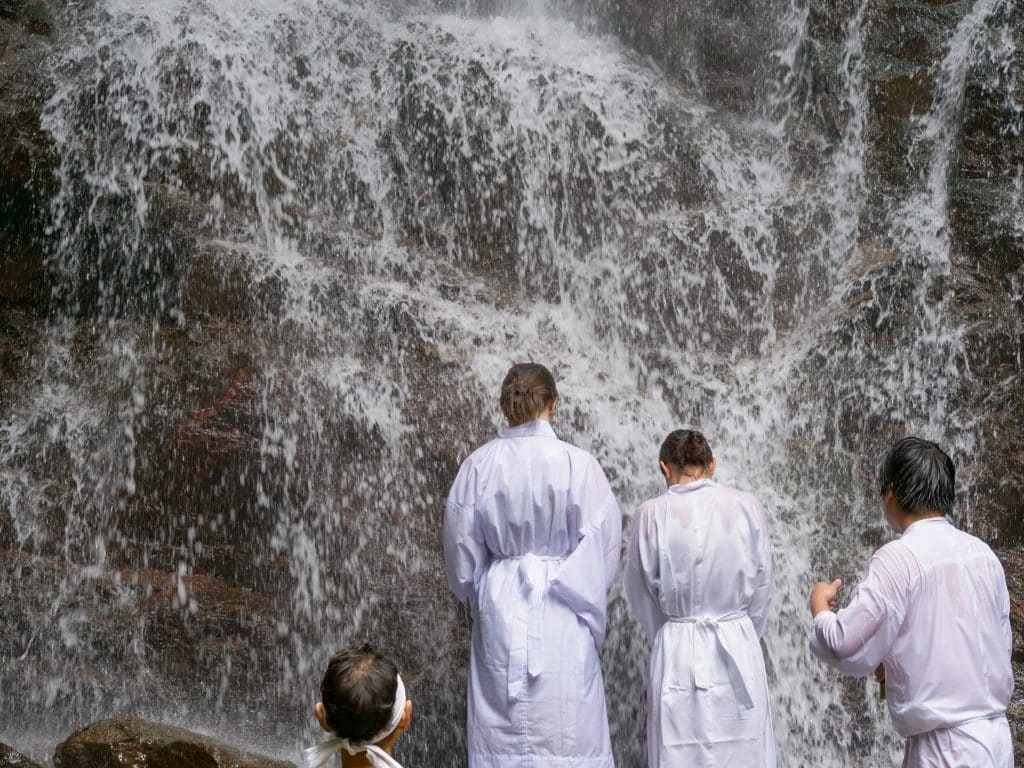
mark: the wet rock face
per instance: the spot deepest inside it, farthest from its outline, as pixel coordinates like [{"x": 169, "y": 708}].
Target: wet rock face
[
  {"x": 9, "y": 758},
  {"x": 719, "y": 45},
  {"x": 1013, "y": 565},
  {"x": 143, "y": 618},
  {"x": 905, "y": 44},
  {"x": 205, "y": 423},
  {"x": 1015, "y": 712},
  {"x": 131, "y": 743},
  {"x": 27, "y": 30}
]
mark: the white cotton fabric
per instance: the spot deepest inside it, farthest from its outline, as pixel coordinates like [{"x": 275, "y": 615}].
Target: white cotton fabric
[
  {"x": 532, "y": 535},
  {"x": 977, "y": 744},
  {"x": 699, "y": 580},
  {"x": 934, "y": 609},
  {"x": 314, "y": 757}
]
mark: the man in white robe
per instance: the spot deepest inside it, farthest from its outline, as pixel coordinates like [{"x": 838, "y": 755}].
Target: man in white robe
[
  {"x": 532, "y": 536},
  {"x": 699, "y": 580},
  {"x": 931, "y": 618}
]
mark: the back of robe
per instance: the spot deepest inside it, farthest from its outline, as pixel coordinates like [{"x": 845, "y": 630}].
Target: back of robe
[
  {"x": 699, "y": 580},
  {"x": 532, "y": 537}
]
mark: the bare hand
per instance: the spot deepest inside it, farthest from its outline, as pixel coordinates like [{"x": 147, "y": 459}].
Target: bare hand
[{"x": 823, "y": 596}]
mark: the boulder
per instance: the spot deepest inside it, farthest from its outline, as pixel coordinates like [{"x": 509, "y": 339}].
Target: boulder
[
  {"x": 9, "y": 758},
  {"x": 132, "y": 743}
]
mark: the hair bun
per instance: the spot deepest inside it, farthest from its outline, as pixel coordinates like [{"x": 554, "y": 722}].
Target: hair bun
[{"x": 526, "y": 391}]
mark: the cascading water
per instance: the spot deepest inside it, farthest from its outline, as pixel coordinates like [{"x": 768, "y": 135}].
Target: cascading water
[{"x": 295, "y": 247}]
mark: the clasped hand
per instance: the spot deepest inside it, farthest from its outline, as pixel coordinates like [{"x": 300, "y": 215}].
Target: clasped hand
[{"x": 823, "y": 596}]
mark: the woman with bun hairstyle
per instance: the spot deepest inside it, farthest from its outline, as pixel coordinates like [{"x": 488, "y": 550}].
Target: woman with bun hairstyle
[
  {"x": 531, "y": 542},
  {"x": 699, "y": 580}
]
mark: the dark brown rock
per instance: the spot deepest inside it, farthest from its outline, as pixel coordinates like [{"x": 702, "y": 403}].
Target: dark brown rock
[
  {"x": 1013, "y": 565},
  {"x": 9, "y": 758},
  {"x": 1015, "y": 713},
  {"x": 722, "y": 43},
  {"x": 26, "y": 154},
  {"x": 132, "y": 743},
  {"x": 20, "y": 331},
  {"x": 187, "y": 625}
]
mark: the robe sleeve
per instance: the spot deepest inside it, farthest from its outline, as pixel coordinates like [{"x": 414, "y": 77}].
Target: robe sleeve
[
  {"x": 465, "y": 552},
  {"x": 610, "y": 526},
  {"x": 641, "y": 579},
  {"x": 586, "y": 575},
  {"x": 764, "y": 587},
  {"x": 1004, "y": 608},
  {"x": 857, "y": 638}
]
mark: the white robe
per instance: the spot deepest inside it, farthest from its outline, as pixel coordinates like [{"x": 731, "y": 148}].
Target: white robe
[
  {"x": 934, "y": 609},
  {"x": 699, "y": 580},
  {"x": 532, "y": 535}
]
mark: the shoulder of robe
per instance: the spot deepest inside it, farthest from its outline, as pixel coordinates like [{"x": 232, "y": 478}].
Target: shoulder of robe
[
  {"x": 747, "y": 499},
  {"x": 647, "y": 508},
  {"x": 580, "y": 457},
  {"x": 980, "y": 549},
  {"x": 654, "y": 511},
  {"x": 480, "y": 454},
  {"x": 972, "y": 540},
  {"x": 896, "y": 549},
  {"x": 896, "y": 559}
]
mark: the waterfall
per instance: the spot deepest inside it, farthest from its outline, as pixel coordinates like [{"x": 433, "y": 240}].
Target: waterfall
[{"x": 295, "y": 246}]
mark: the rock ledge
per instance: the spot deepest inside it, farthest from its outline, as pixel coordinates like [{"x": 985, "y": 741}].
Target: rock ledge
[{"x": 133, "y": 743}]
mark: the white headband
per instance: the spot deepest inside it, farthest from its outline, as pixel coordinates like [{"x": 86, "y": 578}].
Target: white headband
[{"x": 316, "y": 756}]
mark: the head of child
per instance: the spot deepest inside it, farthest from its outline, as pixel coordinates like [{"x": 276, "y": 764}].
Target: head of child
[{"x": 358, "y": 699}]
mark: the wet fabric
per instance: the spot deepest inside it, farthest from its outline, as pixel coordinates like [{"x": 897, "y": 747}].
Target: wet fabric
[
  {"x": 985, "y": 743},
  {"x": 699, "y": 580},
  {"x": 531, "y": 539},
  {"x": 934, "y": 609}
]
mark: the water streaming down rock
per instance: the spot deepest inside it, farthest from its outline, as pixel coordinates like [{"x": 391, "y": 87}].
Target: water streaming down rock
[{"x": 296, "y": 245}]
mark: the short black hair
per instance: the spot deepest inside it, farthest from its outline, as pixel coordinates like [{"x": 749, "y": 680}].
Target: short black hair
[
  {"x": 358, "y": 692},
  {"x": 922, "y": 477}
]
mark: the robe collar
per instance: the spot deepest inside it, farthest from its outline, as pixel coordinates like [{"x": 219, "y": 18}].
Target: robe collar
[
  {"x": 538, "y": 428},
  {"x": 679, "y": 489},
  {"x": 925, "y": 522}
]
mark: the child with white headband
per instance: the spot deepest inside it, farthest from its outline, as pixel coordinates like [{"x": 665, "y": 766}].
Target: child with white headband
[{"x": 364, "y": 707}]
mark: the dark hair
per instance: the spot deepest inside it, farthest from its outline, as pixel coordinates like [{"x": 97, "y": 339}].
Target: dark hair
[
  {"x": 920, "y": 475},
  {"x": 526, "y": 391},
  {"x": 358, "y": 692},
  {"x": 686, "y": 448}
]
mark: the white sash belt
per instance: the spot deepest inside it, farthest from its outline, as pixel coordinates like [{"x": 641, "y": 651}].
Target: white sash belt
[
  {"x": 525, "y": 650},
  {"x": 702, "y": 664}
]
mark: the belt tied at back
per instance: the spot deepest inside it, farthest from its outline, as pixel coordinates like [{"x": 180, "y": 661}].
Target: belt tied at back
[{"x": 702, "y": 664}]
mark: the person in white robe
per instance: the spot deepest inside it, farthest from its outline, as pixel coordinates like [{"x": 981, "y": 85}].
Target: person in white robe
[
  {"x": 699, "y": 580},
  {"x": 532, "y": 536},
  {"x": 930, "y": 618}
]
